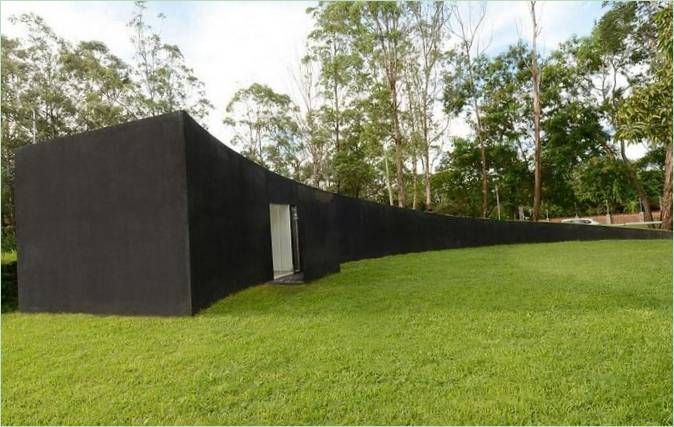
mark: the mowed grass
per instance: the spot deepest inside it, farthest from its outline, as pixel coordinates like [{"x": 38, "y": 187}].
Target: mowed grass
[{"x": 565, "y": 333}]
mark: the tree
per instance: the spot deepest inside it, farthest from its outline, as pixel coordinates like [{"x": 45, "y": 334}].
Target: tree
[
  {"x": 104, "y": 81},
  {"x": 536, "y": 96},
  {"x": 647, "y": 113},
  {"x": 506, "y": 110},
  {"x": 312, "y": 133},
  {"x": 457, "y": 183},
  {"x": 429, "y": 30},
  {"x": 331, "y": 45},
  {"x": 602, "y": 183},
  {"x": 468, "y": 31},
  {"x": 572, "y": 133},
  {"x": 264, "y": 126},
  {"x": 386, "y": 30},
  {"x": 357, "y": 163},
  {"x": 612, "y": 60},
  {"x": 165, "y": 82}
]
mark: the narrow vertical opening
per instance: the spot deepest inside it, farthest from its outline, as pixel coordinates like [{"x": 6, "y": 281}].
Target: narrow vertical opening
[{"x": 284, "y": 240}]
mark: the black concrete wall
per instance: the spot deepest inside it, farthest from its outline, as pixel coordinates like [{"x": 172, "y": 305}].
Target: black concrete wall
[
  {"x": 230, "y": 243},
  {"x": 101, "y": 221},
  {"x": 370, "y": 230},
  {"x": 159, "y": 217},
  {"x": 230, "y": 236}
]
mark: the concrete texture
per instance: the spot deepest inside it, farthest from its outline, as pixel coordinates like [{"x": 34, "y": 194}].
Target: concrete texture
[{"x": 102, "y": 221}]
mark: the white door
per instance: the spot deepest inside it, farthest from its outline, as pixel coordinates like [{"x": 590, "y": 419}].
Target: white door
[{"x": 281, "y": 240}]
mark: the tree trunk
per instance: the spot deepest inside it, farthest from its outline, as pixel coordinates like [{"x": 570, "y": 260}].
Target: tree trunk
[
  {"x": 634, "y": 179},
  {"x": 414, "y": 182},
  {"x": 643, "y": 198},
  {"x": 537, "y": 181},
  {"x": 335, "y": 95},
  {"x": 398, "y": 140},
  {"x": 337, "y": 119},
  {"x": 259, "y": 148},
  {"x": 315, "y": 172},
  {"x": 388, "y": 179},
  {"x": 427, "y": 179},
  {"x": 666, "y": 208},
  {"x": 537, "y": 117},
  {"x": 400, "y": 176},
  {"x": 483, "y": 153},
  {"x": 485, "y": 183}
]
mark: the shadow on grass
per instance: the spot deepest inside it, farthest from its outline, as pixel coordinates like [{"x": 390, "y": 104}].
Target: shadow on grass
[{"x": 264, "y": 298}]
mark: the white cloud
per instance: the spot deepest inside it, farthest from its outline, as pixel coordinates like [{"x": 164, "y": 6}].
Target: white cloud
[
  {"x": 75, "y": 21},
  {"x": 508, "y": 21},
  {"x": 237, "y": 44}
]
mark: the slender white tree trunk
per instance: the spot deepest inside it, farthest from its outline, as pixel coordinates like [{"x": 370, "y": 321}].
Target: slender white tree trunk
[{"x": 537, "y": 114}]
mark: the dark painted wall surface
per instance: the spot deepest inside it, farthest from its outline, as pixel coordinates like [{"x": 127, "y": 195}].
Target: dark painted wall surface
[
  {"x": 158, "y": 217},
  {"x": 230, "y": 236},
  {"x": 101, "y": 221},
  {"x": 371, "y": 230},
  {"x": 230, "y": 244}
]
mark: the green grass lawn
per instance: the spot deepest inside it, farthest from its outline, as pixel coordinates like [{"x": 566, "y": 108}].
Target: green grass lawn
[{"x": 564, "y": 333}]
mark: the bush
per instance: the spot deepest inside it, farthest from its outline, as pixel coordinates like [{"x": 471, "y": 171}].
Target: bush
[
  {"x": 10, "y": 292},
  {"x": 8, "y": 239}
]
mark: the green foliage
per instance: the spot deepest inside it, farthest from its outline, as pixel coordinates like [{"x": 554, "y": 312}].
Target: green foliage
[
  {"x": 505, "y": 103},
  {"x": 457, "y": 183},
  {"x": 375, "y": 107},
  {"x": 46, "y": 93},
  {"x": 545, "y": 334},
  {"x": 599, "y": 182},
  {"x": 457, "y": 87},
  {"x": 581, "y": 94},
  {"x": 647, "y": 113},
  {"x": 8, "y": 256},
  {"x": 103, "y": 80},
  {"x": 356, "y": 111},
  {"x": 265, "y": 128},
  {"x": 458, "y": 180},
  {"x": 165, "y": 82}
]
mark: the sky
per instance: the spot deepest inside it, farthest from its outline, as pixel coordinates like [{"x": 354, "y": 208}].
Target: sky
[{"x": 233, "y": 44}]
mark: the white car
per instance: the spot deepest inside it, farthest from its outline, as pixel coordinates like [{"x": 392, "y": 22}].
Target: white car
[{"x": 587, "y": 221}]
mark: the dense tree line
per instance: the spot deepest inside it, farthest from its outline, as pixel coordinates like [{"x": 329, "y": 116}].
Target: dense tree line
[
  {"x": 549, "y": 132},
  {"x": 377, "y": 94}
]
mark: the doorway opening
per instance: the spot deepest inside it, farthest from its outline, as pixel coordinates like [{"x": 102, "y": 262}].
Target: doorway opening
[{"x": 285, "y": 249}]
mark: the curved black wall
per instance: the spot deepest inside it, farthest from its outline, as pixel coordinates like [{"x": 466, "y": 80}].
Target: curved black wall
[
  {"x": 228, "y": 209},
  {"x": 371, "y": 230},
  {"x": 159, "y": 217}
]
